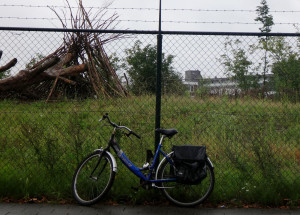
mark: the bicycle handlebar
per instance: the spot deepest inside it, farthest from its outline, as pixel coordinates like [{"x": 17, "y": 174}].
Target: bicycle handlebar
[
  {"x": 116, "y": 126},
  {"x": 131, "y": 132}
]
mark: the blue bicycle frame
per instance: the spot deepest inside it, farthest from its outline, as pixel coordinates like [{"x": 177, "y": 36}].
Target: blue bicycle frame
[{"x": 138, "y": 171}]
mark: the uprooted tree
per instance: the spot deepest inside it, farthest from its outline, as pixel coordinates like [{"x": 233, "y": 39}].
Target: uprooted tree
[{"x": 80, "y": 67}]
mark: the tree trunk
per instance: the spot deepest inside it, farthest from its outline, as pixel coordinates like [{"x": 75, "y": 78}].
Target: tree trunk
[
  {"x": 26, "y": 77},
  {"x": 9, "y": 65}
]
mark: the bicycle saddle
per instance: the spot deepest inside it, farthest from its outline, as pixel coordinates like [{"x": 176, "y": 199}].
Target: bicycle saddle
[{"x": 168, "y": 132}]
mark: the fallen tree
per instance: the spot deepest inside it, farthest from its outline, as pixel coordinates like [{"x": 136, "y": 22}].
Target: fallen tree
[{"x": 79, "y": 68}]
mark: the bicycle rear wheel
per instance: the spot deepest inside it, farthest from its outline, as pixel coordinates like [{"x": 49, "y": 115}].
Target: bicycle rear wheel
[
  {"x": 93, "y": 178},
  {"x": 182, "y": 194}
]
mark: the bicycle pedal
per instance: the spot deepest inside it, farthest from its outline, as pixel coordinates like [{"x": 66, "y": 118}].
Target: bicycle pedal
[
  {"x": 94, "y": 178},
  {"x": 146, "y": 165}
]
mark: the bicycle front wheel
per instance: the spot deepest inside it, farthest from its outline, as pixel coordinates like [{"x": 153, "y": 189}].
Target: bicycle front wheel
[
  {"x": 93, "y": 178},
  {"x": 182, "y": 194}
]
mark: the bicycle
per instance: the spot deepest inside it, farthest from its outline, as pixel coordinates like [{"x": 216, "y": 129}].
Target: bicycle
[{"x": 95, "y": 174}]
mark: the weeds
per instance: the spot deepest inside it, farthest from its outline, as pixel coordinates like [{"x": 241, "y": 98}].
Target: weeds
[{"x": 254, "y": 145}]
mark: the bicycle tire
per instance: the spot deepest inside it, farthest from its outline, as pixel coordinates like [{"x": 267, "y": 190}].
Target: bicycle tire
[
  {"x": 182, "y": 194},
  {"x": 89, "y": 189}
]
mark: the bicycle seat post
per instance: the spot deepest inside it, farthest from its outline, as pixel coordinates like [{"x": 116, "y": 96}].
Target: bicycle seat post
[{"x": 161, "y": 139}]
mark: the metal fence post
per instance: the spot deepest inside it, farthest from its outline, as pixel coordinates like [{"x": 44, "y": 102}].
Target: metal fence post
[
  {"x": 158, "y": 81},
  {"x": 158, "y": 88}
]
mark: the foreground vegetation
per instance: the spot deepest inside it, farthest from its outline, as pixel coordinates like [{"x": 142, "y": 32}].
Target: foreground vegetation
[{"x": 254, "y": 145}]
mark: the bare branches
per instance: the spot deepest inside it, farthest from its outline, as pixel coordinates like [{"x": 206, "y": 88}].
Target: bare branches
[{"x": 80, "y": 61}]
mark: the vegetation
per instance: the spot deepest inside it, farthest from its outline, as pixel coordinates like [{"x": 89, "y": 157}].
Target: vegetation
[
  {"x": 4, "y": 74},
  {"x": 254, "y": 145},
  {"x": 264, "y": 17},
  {"x": 141, "y": 65},
  {"x": 277, "y": 70},
  {"x": 238, "y": 67},
  {"x": 287, "y": 73},
  {"x": 285, "y": 68},
  {"x": 266, "y": 20}
]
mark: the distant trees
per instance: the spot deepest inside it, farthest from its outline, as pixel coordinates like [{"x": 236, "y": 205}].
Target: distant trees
[
  {"x": 141, "y": 65},
  {"x": 238, "y": 67},
  {"x": 264, "y": 17},
  {"x": 287, "y": 74},
  {"x": 235, "y": 59},
  {"x": 278, "y": 55},
  {"x": 278, "y": 60},
  {"x": 266, "y": 20}
]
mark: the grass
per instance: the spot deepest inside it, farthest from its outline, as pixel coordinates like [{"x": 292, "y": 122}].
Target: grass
[{"x": 254, "y": 145}]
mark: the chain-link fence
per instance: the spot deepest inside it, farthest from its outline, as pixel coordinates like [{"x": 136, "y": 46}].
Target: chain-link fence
[{"x": 237, "y": 94}]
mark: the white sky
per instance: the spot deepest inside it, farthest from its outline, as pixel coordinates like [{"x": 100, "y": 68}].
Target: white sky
[
  {"x": 192, "y": 53},
  {"x": 186, "y": 17}
]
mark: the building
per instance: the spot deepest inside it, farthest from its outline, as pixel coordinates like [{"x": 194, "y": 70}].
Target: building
[{"x": 193, "y": 79}]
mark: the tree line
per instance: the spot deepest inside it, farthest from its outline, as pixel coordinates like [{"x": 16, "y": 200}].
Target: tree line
[
  {"x": 277, "y": 70},
  {"x": 140, "y": 64},
  {"x": 278, "y": 60}
]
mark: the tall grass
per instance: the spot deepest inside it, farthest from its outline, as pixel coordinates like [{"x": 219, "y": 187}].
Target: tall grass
[{"x": 253, "y": 144}]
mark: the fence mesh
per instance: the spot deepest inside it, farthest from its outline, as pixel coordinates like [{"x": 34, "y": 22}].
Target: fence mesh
[{"x": 237, "y": 95}]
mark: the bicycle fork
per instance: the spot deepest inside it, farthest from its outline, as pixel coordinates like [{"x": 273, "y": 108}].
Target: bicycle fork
[
  {"x": 98, "y": 162},
  {"x": 114, "y": 163}
]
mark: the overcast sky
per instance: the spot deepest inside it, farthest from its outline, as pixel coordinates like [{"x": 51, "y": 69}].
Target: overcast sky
[
  {"x": 177, "y": 15},
  {"x": 198, "y": 15}
]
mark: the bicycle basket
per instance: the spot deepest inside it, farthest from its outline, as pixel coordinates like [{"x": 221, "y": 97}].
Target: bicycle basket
[{"x": 190, "y": 165}]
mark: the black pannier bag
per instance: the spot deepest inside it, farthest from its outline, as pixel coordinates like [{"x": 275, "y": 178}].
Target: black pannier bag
[{"x": 189, "y": 162}]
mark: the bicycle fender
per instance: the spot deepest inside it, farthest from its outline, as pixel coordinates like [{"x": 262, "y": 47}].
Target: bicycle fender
[
  {"x": 209, "y": 161},
  {"x": 161, "y": 162},
  {"x": 114, "y": 162}
]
